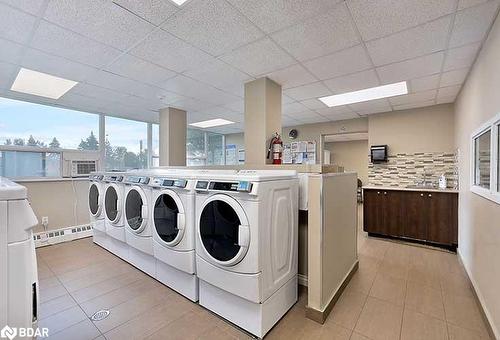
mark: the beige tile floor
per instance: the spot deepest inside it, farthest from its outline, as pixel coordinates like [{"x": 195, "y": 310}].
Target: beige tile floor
[{"x": 399, "y": 292}]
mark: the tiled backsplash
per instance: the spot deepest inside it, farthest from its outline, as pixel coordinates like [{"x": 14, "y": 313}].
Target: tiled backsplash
[{"x": 405, "y": 169}]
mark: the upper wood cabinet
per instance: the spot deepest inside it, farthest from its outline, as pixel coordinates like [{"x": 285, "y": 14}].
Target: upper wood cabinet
[{"x": 425, "y": 216}]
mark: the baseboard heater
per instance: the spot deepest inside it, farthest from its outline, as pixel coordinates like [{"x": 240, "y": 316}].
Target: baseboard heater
[{"x": 47, "y": 238}]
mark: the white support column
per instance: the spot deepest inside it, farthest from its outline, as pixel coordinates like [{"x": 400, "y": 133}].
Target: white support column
[
  {"x": 173, "y": 130},
  {"x": 262, "y": 118},
  {"x": 150, "y": 146}
]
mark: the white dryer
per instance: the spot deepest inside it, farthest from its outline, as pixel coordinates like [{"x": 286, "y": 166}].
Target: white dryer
[
  {"x": 172, "y": 217},
  {"x": 246, "y": 246},
  {"x": 95, "y": 197},
  {"x": 18, "y": 268},
  {"x": 114, "y": 215},
  {"x": 138, "y": 233}
]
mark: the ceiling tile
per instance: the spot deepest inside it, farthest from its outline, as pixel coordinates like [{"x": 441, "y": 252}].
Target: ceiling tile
[
  {"x": 313, "y": 104},
  {"x": 348, "y": 61},
  {"x": 448, "y": 92},
  {"x": 445, "y": 100},
  {"x": 54, "y": 65},
  {"x": 413, "y": 98},
  {"x": 413, "y": 68},
  {"x": 324, "y": 34},
  {"x": 372, "y": 106},
  {"x": 10, "y": 51},
  {"x": 237, "y": 106},
  {"x": 98, "y": 92},
  {"x": 378, "y": 18},
  {"x": 135, "y": 68},
  {"x": 272, "y": 15},
  {"x": 15, "y": 25},
  {"x": 353, "y": 82},
  {"x": 164, "y": 49},
  {"x": 472, "y": 24},
  {"x": 190, "y": 104},
  {"x": 343, "y": 116},
  {"x": 194, "y": 116},
  {"x": 219, "y": 74},
  {"x": 308, "y": 91},
  {"x": 285, "y": 99},
  {"x": 100, "y": 20},
  {"x": 461, "y": 56},
  {"x": 425, "y": 83},
  {"x": 455, "y": 77},
  {"x": 411, "y": 43},
  {"x": 335, "y": 111},
  {"x": 293, "y": 108},
  {"x": 118, "y": 83},
  {"x": 292, "y": 76},
  {"x": 56, "y": 40},
  {"x": 154, "y": 11},
  {"x": 469, "y": 3},
  {"x": 289, "y": 121},
  {"x": 30, "y": 6},
  {"x": 259, "y": 57},
  {"x": 8, "y": 73},
  {"x": 414, "y": 105},
  {"x": 87, "y": 104},
  {"x": 212, "y": 25}
]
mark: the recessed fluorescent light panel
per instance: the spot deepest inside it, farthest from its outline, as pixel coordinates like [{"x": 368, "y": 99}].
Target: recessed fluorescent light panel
[
  {"x": 372, "y": 93},
  {"x": 212, "y": 123},
  {"x": 41, "y": 84},
  {"x": 178, "y": 2}
]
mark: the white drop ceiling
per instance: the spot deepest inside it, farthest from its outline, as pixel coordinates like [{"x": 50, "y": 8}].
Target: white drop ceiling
[{"x": 134, "y": 57}]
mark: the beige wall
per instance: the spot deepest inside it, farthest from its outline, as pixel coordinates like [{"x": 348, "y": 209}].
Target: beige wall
[
  {"x": 352, "y": 155},
  {"x": 428, "y": 129},
  {"x": 479, "y": 229},
  {"x": 64, "y": 202}
]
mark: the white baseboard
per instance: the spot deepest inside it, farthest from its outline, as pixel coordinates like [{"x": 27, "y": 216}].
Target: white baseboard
[
  {"x": 480, "y": 297},
  {"x": 47, "y": 238},
  {"x": 302, "y": 279}
]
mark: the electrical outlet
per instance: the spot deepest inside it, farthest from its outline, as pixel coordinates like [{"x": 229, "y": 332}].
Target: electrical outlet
[{"x": 45, "y": 221}]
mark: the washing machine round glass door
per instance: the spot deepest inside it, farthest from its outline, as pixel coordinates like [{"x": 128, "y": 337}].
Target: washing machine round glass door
[
  {"x": 169, "y": 218},
  {"x": 224, "y": 230},
  {"x": 136, "y": 209},
  {"x": 112, "y": 203},
  {"x": 94, "y": 200}
]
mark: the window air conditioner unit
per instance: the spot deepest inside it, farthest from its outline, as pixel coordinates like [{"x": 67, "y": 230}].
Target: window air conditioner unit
[{"x": 79, "y": 163}]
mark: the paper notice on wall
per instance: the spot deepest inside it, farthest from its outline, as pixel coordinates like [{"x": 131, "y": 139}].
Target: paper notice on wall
[
  {"x": 311, "y": 146},
  {"x": 302, "y": 147},
  {"x": 231, "y": 154},
  {"x": 299, "y": 158},
  {"x": 287, "y": 154},
  {"x": 241, "y": 156},
  {"x": 311, "y": 158},
  {"x": 295, "y": 146}
]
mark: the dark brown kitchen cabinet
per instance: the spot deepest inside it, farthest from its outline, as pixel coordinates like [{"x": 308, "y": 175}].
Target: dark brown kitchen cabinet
[{"x": 429, "y": 217}]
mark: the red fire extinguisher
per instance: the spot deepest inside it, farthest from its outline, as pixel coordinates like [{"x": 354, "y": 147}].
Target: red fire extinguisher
[{"x": 276, "y": 148}]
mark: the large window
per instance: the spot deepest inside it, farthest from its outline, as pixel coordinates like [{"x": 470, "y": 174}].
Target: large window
[
  {"x": 204, "y": 148},
  {"x": 126, "y": 144},
  {"x": 155, "y": 154},
  {"x": 32, "y": 137},
  {"x": 485, "y": 155}
]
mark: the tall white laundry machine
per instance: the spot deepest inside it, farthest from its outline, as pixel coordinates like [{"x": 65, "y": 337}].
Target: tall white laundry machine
[
  {"x": 18, "y": 266},
  {"x": 246, "y": 246}
]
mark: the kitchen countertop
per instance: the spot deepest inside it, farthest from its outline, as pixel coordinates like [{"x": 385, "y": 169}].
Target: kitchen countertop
[{"x": 379, "y": 187}]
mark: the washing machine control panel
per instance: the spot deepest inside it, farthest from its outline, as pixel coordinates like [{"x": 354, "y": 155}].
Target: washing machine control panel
[
  {"x": 239, "y": 186},
  {"x": 113, "y": 178},
  {"x": 96, "y": 177},
  {"x": 167, "y": 182},
  {"x": 137, "y": 180}
]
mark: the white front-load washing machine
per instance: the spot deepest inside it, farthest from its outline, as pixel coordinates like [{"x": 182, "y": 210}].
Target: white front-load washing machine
[
  {"x": 95, "y": 197},
  {"x": 114, "y": 191},
  {"x": 246, "y": 246},
  {"x": 18, "y": 266},
  {"x": 172, "y": 217},
  {"x": 138, "y": 233}
]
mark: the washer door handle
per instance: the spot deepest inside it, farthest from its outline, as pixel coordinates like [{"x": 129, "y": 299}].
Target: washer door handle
[
  {"x": 181, "y": 221},
  {"x": 144, "y": 212},
  {"x": 244, "y": 236}
]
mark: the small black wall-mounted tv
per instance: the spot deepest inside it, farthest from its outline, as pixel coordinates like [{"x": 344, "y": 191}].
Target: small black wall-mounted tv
[{"x": 378, "y": 153}]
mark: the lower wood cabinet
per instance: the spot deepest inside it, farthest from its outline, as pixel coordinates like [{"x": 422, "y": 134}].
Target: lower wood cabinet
[{"x": 424, "y": 216}]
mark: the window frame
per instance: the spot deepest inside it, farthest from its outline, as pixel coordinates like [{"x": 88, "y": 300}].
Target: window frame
[{"x": 492, "y": 193}]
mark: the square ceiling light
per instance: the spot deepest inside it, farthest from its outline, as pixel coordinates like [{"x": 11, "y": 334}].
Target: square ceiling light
[
  {"x": 41, "y": 84},
  {"x": 372, "y": 93},
  {"x": 178, "y": 2},
  {"x": 212, "y": 123}
]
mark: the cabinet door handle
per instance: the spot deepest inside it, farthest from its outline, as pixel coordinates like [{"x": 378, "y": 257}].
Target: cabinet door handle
[
  {"x": 430, "y": 195},
  {"x": 422, "y": 195},
  {"x": 378, "y": 192},
  {"x": 385, "y": 193}
]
